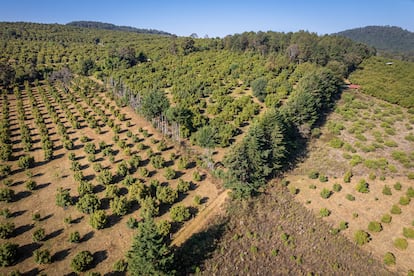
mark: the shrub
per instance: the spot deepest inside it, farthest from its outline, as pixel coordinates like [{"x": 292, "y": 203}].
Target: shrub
[
  {"x": 361, "y": 237},
  {"x": 30, "y": 184},
  {"x": 105, "y": 177},
  {"x": 157, "y": 161},
  {"x": 81, "y": 261},
  {"x": 42, "y": 256},
  {"x": 8, "y": 254},
  {"x": 375, "y": 226},
  {"x": 386, "y": 190},
  {"x": 401, "y": 243},
  {"x": 410, "y": 175},
  {"x": 408, "y": 233},
  {"x": 63, "y": 198},
  {"x": 325, "y": 193},
  {"x": 336, "y": 143},
  {"x": 313, "y": 174},
  {"x": 85, "y": 187},
  {"x": 74, "y": 237},
  {"x": 132, "y": 223},
  {"x": 323, "y": 178},
  {"x": 97, "y": 167},
  {"x": 387, "y": 218},
  {"x": 324, "y": 212},
  {"x": 166, "y": 194},
  {"x": 169, "y": 174},
  {"x": 25, "y": 162},
  {"x": 404, "y": 200},
  {"x": 119, "y": 205},
  {"x": 337, "y": 187},
  {"x": 39, "y": 234},
  {"x": 88, "y": 203},
  {"x": 389, "y": 258},
  {"x": 350, "y": 197},
  {"x": 343, "y": 225},
  {"x": 395, "y": 210},
  {"x": 362, "y": 186},
  {"x": 183, "y": 186},
  {"x": 293, "y": 190},
  {"x": 312, "y": 186},
  {"x": 397, "y": 186},
  {"x": 120, "y": 265},
  {"x": 197, "y": 176},
  {"x": 348, "y": 176},
  {"x": 98, "y": 219},
  {"x": 6, "y": 194},
  {"x": 410, "y": 192},
  {"x": 197, "y": 199},
  {"x": 179, "y": 213},
  {"x": 111, "y": 191},
  {"x": 5, "y": 213},
  {"x": 164, "y": 228},
  {"x": 6, "y": 230}
]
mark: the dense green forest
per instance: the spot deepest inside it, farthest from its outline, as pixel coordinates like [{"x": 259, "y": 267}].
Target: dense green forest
[
  {"x": 390, "y": 80},
  {"x": 390, "y": 41},
  {"x": 109, "y": 26},
  {"x": 210, "y": 88}
]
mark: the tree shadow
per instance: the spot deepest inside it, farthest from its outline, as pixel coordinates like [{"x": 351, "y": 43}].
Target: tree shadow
[
  {"x": 197, "y": 249},
  {"x": 21, "y": 195},
  {"x": 26, "y": 251},
  {"x": 22, "y": 229},
  {"x": 18, "y": 213},
  {"x": 98, "y": 257},
  {"x": 112, "y": 220},
  {"x": 77, "y": 220},
  {"x": 60, "y": 255},
  {"x": 32, "y": 272},
  {"x": 87, "y": 236},
  {"x": 54, "y": 234},
  {"x": 46, "y": 217},
  {"x": 41, "y": 186}
]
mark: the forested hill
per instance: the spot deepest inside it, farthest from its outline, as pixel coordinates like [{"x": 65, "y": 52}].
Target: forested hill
[
  {"x": 112, "y": 27},
  {"x": 394, "y": 40}
]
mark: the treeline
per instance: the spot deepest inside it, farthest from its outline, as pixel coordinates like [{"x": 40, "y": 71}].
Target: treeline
[
  {"x": 390, "y": 41},
  {"x": 275, "y": 138},
  {"x": 389, "y": 80},
  {"x": 109, "y": 26}
]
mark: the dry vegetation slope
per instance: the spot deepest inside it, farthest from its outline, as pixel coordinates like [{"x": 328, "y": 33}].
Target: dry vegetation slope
[
  {"x": 111, "y": 243},
  {"x": 375, "y": 141}
]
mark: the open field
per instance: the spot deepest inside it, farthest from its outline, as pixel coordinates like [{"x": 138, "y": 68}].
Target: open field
[
  {"x": 130, "y": 138},
  {"x": 373, "y": 140}
]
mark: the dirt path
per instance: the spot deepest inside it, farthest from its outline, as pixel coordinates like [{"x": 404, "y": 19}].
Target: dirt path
[{"x": 202, "y": 219}]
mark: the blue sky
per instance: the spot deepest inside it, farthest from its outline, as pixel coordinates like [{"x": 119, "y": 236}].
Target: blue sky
[{"x": 218, "y": 17}]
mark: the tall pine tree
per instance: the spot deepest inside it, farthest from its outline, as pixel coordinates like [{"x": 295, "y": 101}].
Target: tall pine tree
[{"x": 149, "y": 254}]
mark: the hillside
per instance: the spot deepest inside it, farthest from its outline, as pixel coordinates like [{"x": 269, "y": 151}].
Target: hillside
[
  {"x": 127, "y": 130},
  {"x": 109, "y": 26},
  {"x": 388, "y": 40}
]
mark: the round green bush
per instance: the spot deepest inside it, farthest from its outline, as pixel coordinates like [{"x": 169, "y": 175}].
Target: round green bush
[
  {"x": 389, "y": 258},
  {"x": 395, "y": 210},
  {"x": 386, "y": 190},
  {"x": 404, "y": 200},
  {"x": 401, "y": 243},
  {"x": 8, "y": 254},
  {"x": 387, "y": 218},
  {"x": 42, "y": 256},
  {"x": 325, "y": 193},
  {"x": 82, "y": 261},
  {"x": 350, "y": 197},
  {"x": 337, "y": 187},
  {"x": 324, "y": 212},
  {"x": 179, "y": 213},
  {"x": 98, "y": 219},
  {"x": 361, "y": 237},
  {"x": 408, "y": 232},
  {"x": 362, "y": 186},
  {"x": 398, "y": 186},
  {"x": 375, "y": 226},
  {"x": 313, "y": 174}
]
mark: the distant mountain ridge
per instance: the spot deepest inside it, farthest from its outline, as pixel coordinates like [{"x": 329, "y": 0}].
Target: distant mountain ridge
[
  {"x": 388, "y": 40},
  {"x": 109, "y": 26}
]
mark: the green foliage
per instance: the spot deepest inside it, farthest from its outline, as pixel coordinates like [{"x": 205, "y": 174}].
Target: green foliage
[
  {"x": 401, "y": 243},
  {"x": 149, "y": 255},
  {"x": 157, "y": 161},
  {"x": 404, "y": 200},
  {"x": 120, "y": 266},
  {"x": 386, "y": 190},
  {"x": 179, "y": 213},
  {"x": 132, "y": 223},
  {"x": 111, "y": 191},
  {"x": 259, "y": 88},
  {"x": 387, "y": 218},
  {"x": 395, "y": 210},
  {"x": 362, "y": 186},
  {"x": 183, "y": 186},
  {"x": 361, "y": 237},
  {"x": 389, "y": 259},
  {"x": 6, "y": 230},
  {"x": 375, "y": 226},
  {"x": 85, "y": 187},
  {"x": 154, "y": 104},
  {"x": 164, "y": 228},
  {"x": 119, "y": 205},
  {"x": 149, "y": 207},
  {"x": 8, "y": 254},
  {"x": 350, "y": 197},
  {"x": 82, "y": 261},
  {"x": 348, "y": 176},
  {"x": 325, "y": 193},
  {"x": 410, "y": 192},
  {"x": 166, "y": 194},
  {"x": 38, "y": 234},
  {"x": 408, "y": 232},
  {"x": 25, "y": 162},
  {"x": 337, "y": 187},
  {"x": 6, "y": 194},
  {"x": 313, "y": 174},
  {"x": 74, "y": 237},
  {"x": 98, "y": 219},
  {"x": 105, "y": 177},
  {"x": 42, "y": 256},
  {"x": 169, "y": 173},
  {"x": 398, "y": 186},
  {"x": 323, "y": 178},
  {"x": 88, "y": 203},
  {"x": 336, "y": 143},
  {"x": 63, "y": 198},
  {"x": 324, "y": 212}
]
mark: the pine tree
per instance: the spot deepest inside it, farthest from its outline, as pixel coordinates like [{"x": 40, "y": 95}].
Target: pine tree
[{"x": 149, "y": 254}]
